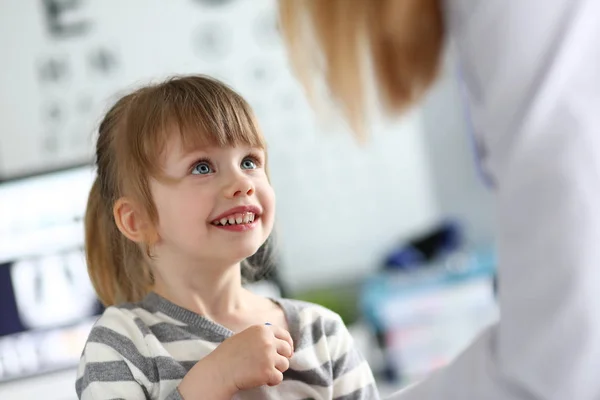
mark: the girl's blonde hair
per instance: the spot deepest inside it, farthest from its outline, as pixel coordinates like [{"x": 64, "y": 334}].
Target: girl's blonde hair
[
  {"x": 132, "y": 138},
  {"x": 336, "y": 39}
]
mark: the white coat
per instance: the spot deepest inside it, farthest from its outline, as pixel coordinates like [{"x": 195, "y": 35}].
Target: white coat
[{"x": 532, "y": 79}]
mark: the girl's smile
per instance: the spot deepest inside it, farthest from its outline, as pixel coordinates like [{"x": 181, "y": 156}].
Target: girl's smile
[{"x": 238, "y": 219}]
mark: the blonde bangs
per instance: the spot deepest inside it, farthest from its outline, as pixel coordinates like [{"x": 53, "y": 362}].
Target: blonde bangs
[
  {"x": 221, "y": 118},
  {"x": 202, "y": 110}
]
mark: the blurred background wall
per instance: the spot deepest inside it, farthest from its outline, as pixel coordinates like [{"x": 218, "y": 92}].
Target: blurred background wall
[{"x": 342, "y": 209}]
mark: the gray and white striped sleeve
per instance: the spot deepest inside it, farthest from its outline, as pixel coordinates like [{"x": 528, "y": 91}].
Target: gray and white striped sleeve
[
  {"x": 352, "y": 375},
  {"x": 115, "y": 363}
]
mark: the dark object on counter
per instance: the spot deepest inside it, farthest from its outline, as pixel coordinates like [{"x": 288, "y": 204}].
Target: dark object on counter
[{"x": 442, "y": 240}]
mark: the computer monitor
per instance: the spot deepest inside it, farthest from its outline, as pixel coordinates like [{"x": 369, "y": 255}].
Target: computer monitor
[{"x": 47, "y": 302}]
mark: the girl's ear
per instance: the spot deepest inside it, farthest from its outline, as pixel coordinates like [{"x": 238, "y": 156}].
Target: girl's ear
[{"x": 131, "y": 222}]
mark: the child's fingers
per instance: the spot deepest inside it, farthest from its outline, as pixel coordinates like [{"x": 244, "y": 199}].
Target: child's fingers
[
  {"x": 282, "y": 334},
  {"x": 284, "y": 348},
  {"x": 282, "y": 363},
  {"x": 275, "y": 377}
]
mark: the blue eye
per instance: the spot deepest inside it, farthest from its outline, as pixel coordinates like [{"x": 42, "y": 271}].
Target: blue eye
[
  {"x": 202, "y": 168},
  {"x": 248, "y": 163}
]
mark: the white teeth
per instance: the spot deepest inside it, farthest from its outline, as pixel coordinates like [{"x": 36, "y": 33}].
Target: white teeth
[{"x": 244, "y": 218}]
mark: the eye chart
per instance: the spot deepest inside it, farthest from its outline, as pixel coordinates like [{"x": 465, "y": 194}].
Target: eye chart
[{"x": 339, "y": 206}]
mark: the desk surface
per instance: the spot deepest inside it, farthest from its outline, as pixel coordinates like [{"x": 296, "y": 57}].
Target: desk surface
[{"x": 54, "y": 386}]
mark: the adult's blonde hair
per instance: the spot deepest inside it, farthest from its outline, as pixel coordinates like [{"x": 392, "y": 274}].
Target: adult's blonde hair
[
  {"x": 131, "y": 140},
  {"x": 339, "y": 40}
]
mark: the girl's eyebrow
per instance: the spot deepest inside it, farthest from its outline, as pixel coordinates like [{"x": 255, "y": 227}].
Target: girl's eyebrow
[
  {"x": 259, "y": 150},
  {"x": 188, "y": 156}
]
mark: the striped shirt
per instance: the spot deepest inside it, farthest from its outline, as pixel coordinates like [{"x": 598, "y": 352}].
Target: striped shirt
[{"x": 143, "y": 351}]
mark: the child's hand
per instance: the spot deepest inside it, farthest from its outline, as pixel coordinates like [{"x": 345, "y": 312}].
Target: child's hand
[{"x": 254, "y": 357}]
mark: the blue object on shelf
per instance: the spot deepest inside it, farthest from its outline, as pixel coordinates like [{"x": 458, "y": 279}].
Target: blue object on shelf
[{"x": 405, "y": 258}]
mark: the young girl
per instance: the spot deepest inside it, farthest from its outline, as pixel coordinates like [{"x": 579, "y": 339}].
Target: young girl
[{"x": 180, "y": 200}]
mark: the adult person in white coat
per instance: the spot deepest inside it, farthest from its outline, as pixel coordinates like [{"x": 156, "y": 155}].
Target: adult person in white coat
[{"x": 531, "y": 71}]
